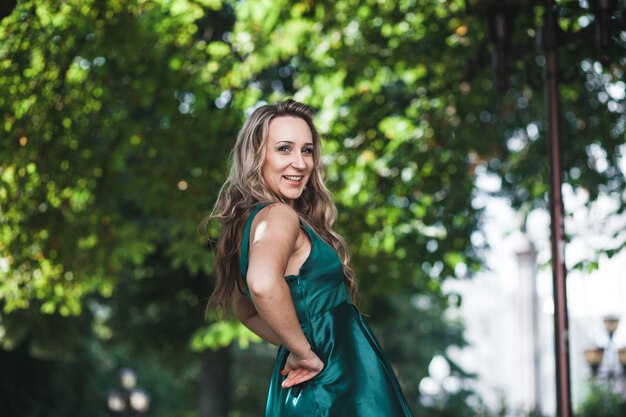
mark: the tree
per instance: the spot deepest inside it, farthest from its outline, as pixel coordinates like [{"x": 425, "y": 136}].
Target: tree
[
  {"x": 117, "y": 119},
  {"x": 112, "y": 150}
]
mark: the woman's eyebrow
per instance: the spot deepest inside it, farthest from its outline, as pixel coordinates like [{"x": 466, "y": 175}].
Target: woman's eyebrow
[{"x": 291, "y": 143}]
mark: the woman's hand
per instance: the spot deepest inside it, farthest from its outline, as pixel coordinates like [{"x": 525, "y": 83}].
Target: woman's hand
[{"x": 299, "y": 369}]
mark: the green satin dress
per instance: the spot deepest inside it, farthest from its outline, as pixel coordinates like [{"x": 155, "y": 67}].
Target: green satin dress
[{"x": 357, "y": 380}]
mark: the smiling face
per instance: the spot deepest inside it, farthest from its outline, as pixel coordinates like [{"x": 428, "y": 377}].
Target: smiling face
[{"x": 288, "y": 157}]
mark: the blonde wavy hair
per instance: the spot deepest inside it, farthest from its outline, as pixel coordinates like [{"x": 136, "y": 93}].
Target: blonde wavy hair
[{"x": 245, "y": 188}]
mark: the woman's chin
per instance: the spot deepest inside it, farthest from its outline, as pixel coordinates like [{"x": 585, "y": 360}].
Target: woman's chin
[{"x": 291, "y": 196}]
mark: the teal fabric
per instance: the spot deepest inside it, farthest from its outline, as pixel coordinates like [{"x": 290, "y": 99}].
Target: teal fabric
[{"x": 357, "y": 380}]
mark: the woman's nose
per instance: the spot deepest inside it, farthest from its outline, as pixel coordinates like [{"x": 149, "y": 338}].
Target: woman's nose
[{"x": 298, "y": 161}]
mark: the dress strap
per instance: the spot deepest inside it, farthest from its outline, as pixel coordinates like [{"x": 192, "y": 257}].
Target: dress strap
[{"x": 245, "y": 242}]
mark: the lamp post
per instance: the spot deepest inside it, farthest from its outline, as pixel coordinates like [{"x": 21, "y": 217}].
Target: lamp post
[
  {"x": 130, "y": 400},
  {"x": 594, "y": 356},
  {"x": 500, "y": 14},
  {"x": 608, "y": 362},
  {"x": 559, "y": 274}
]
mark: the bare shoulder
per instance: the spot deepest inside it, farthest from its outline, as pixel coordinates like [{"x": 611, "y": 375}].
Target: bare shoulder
[
  {"x": 279, "y": 212},
  {"x": 276, "y": 220}
]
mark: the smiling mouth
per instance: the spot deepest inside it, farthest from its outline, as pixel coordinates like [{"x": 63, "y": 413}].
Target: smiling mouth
[{"x": 293, "y": 178}]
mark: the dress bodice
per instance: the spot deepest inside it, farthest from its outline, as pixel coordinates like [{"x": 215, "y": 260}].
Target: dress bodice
[
  {"x": 319, "y": 284},
  {"x": 357, "y": 380}
]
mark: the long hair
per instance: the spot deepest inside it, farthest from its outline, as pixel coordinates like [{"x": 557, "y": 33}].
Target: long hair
[{"x": 245, "y": 188}]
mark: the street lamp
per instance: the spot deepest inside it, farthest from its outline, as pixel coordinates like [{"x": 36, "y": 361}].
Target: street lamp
[
  {"x": 594, "y": 356},
  {"x": 608, "y": 363},
  {"x": 130, "y": 400},
  {"x": 500, "y": 14}
]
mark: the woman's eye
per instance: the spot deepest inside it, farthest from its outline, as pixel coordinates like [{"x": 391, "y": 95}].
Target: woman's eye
[
  {"x": 307, "y": 150},
  {"x": 283, "y": 148}
]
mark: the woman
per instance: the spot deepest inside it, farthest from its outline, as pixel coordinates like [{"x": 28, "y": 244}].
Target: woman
[{"x": 284, "y": 272}]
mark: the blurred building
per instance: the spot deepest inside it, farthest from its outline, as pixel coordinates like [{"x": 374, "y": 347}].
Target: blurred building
[{"x": 508, "y": 311}]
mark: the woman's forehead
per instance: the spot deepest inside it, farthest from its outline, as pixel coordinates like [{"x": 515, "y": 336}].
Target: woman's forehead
[{"x": 289, "y": 129}]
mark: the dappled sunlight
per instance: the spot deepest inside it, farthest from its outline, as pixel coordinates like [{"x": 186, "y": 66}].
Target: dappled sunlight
[{"x": 117, "y": 119}]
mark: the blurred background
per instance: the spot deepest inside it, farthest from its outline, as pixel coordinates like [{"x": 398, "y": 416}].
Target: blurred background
[{"x": 116, "y": 120}]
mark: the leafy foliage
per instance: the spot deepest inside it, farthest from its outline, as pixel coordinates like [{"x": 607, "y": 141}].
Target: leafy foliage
[
  {"x": 104, "y": 158},
  {"x": 117, "y": 119},
  {"x": 602, "y": 402}
]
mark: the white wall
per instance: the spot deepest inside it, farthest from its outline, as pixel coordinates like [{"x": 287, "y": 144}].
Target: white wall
[{"x": 497, "y": 307}]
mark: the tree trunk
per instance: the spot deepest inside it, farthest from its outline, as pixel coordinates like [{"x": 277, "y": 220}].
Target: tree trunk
[{"x": 215, "y": 383}]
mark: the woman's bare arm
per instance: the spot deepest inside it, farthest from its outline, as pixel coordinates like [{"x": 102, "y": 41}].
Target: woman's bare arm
[
  {"x": 246, "y": 313},
  {"x": 271, "y": 246}
]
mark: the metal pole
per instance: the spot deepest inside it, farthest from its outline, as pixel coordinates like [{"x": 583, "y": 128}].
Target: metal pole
[{"x": 561, "y": 342}]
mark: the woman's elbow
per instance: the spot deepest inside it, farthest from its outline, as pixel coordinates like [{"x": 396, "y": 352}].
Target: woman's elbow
[{"x": 261, "y": 288}]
